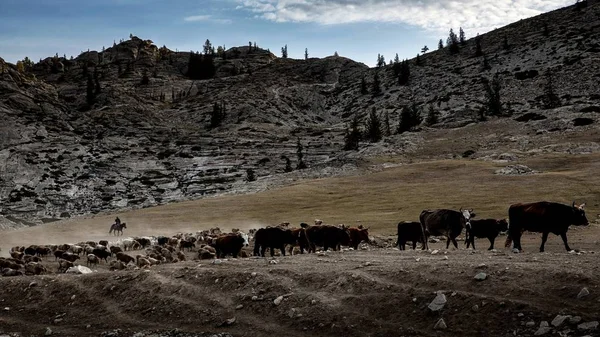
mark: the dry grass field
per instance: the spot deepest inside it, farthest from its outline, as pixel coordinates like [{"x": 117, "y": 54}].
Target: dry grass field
[{"x": 378, "y": 200}]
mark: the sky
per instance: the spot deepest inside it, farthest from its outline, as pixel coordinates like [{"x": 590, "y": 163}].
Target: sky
[{"x": 357, "y": 29}]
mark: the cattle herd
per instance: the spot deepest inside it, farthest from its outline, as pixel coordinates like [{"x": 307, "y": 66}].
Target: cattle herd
[{"x": 542, "y": 217}]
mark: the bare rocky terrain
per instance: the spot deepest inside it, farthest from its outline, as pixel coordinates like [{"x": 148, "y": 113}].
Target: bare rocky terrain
[{"x": 131, "y": 149}]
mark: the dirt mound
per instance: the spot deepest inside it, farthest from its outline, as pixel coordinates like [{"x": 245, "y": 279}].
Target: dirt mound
[{"x": 376, "y": 291}]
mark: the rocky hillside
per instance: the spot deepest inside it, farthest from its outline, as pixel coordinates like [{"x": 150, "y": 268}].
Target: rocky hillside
[{"x": 144, "y": 137}]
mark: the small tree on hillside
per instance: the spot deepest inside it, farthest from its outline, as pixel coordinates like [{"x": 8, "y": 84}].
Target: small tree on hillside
[
  {"x": 410, "y": 117},
  {"x": 380, "y": 61},
  {"x": 353, "y": 135},
  {"x": 493, "y": 99},
  {"x": 403, "y": 72},
  {"x": 396, "y": 59},
  {"x": 452, "y": 42},
  {"x": 376, "y": 84},
  {"x": 306, "y": 53},
  {"x": 461, "y": 36},
  {"x": 288, "y": 163},
  {"x": 440, "y": 44},
  {"x": 550, "y": 99},
  {"x": 478, "y": 50},
  {"x": 432, "y": 116},
  {"x": 387, "y": 130},
  {"x": 217, "y": 115},
  {"x": 250, "y": 175},
  {"x": 418, "y": 60},
  {"x": 505, "y": 44},
  {"x": 207, "y": 48},
  {"x": 424, "y": 49},
  {"x": 90, "y": 97},
  {"x": 300, "y": 155},
  {"x": 373, "y": 130},
  {"x": 363, "y": 87},
  {"x": 284, "y": 52}
]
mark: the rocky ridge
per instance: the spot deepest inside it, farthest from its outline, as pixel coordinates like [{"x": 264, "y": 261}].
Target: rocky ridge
[{"x": 131, "y": 148}]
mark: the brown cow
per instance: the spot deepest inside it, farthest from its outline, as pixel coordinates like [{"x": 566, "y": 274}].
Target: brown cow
[
  {"x": 229, "y": 244},
  {"x": 125, "y": 258},
  {"x": 545, "y": 217},
  {"x": 357, "y": 235},
  {"x": 327, "y": 236}
]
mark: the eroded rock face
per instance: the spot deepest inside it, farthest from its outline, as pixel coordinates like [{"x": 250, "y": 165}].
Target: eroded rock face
[{"x": 144, "y": 143}]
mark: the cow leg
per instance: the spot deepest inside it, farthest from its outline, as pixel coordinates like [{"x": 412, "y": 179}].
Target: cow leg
[
  {"x": 283, "y": 250},
  {"x": 447, "y": 242},
  {"x": 272, "y": 250},
  {"x": 455, "y": 243},
  {"x": 564, "y": 238},
  {"x": 544, "y": 238},
  {"x": 492, "y": 239},
  {"x": 263, "y": 249}
]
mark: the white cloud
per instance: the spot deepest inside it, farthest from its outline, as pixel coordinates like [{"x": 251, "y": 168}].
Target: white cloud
[
  {"x": 205, "y": 18},
  {"x": 434, "y": 15}
]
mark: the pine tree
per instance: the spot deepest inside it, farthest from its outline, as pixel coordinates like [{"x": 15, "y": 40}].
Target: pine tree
[
  {"x": 418, "y": 60},
  {"x": 424, "y": 49},
  {"x": 380, "y": 61},
  {"x": 336, "y": 54},
  {"x": 546, "y": 30},
  {"x": 217, "y": 115},
  {"x": 432, "y": 116},
  {"x": 306, "y": 53},
  {"x": 90, "y": 97},
  {"x": 284, "y": 52},
  {"x": 403, "y": 72},
  {"x": 550, "y": 99},
  {"x": 300, "y": 156},
  {"x": 492, "y": 90},
  {"x": 486, "y": 63},
  {"x": 461, "y": 36},
  {"x": 376, "y": 85},
  {"x": 373, "y": 129},
  {"x": 440, "y": 44},
  {"x": 288, "y": 164},
  {"x": 396, "y": 59},
  {"x": 387, "y": 130},
  {"x": 353, "y": 135},
  {"x": 363, "y": 87},
  {"x": 478, "y": 50},
  {"x": 452, "y": 42},
  {"x": 97, "y": 87},
  {"x": 207, "y": 47},
  {"x": 410, "y": 117}
]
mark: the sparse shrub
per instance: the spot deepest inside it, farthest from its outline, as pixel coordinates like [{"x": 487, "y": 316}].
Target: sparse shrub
[
  {"x": 363, "y": 87},
  {"x": 493, "y": 100},
  {"x": 550, "y": 99},
  {"x": 387, "y": 130},
  {"x": 250, "y": 175},
  {"x": 217, "y": 115},
  {"x": 284, "y": 52},
  {"x": 300, "y": 156},
  {"x": 90, "y": 97},
  {"x": 376, "y": 84}
]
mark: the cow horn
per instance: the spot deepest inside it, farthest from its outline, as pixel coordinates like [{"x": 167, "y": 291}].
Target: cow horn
[
  {"x": 582, "y": 205},
  {"x": 460, "y": 210},
  {"x": 573, "y": 204}
]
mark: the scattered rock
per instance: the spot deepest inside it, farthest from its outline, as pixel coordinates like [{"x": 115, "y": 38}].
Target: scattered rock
[
  {"x": 278, "y": 300},
  {"x": 48, "y": 332},
  {"x": 32, "y": 284},
  {"x": 515, "y": 170},
  {"x": 239, "y": 306},
  {"x": 593, "y": 325},
  {"x": 434, "y": 252},
  {"x": 542, "y": 331},
  {"x": 530, "y": 324},
  {"x": 79, "y": 270},
  {"x": 583, "y": 293},
  {"x": 575, "y": 320},
  {"x": 273, "y": 262},
  {"x": 227, "y": 322},
  {"x": 253, "y": 274},
  {"x": 544, "y": 324},
  {"x": 480, "y": 276},
  {"x": 559, "y": 320},
  {"x": 217, "y": 261},
  {"x": 438, "y": 302},
  {"x": 255, "y": 298},
  {"x": 292, "y": 313},
  {"x": 440, "y": 325},
  {"x": 475, "y": 308},
  {"x": 520, "y": 314},
  {"x": 313, "y": 302}
]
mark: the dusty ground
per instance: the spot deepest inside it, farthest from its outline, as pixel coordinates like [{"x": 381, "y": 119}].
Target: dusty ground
[{"x": 372, "y": 292}]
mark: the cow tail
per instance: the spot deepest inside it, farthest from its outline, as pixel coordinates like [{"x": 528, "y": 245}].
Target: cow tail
[{"x": 424, "y": 237}]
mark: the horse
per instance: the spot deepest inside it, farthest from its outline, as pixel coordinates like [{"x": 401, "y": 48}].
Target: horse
[{"x": 117, "y": 228}]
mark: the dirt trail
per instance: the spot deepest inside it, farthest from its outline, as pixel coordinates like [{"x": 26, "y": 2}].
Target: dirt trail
[{"x": 374, "y": 292}]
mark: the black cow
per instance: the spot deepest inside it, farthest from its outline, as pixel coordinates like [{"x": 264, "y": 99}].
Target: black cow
[
  {"x": 162, "y": 240},
  {"x": 444, "y": 222},
  {"x": 272, "y": 237},
  {"x": 327, "y": 236},
  {"x": 484, "y": 228},
  {"x": 410, "y": 231},
  {"x": 143, "y": 242},
  {"x": 543, "y": 217},
  {"x": 102, "y": 254}
]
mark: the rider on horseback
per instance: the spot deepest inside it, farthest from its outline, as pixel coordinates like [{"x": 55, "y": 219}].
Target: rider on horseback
[{"x": 117, "y": 221}]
